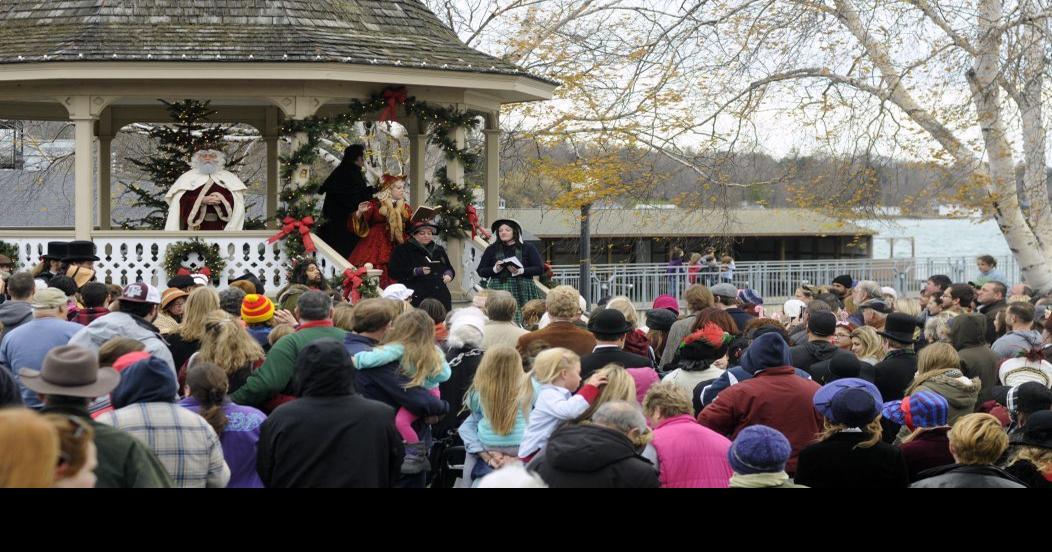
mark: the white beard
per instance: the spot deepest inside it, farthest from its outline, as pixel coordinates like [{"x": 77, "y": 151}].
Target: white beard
[{"x": 208, "y": 168}]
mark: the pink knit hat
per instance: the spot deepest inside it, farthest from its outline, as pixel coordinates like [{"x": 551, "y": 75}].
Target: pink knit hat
[{"x": 667, "y": 302}]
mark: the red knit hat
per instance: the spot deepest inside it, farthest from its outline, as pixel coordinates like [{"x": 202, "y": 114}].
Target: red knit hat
[{"x": 256, "y": 309}]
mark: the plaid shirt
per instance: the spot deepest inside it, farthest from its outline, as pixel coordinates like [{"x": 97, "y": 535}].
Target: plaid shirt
[
  {"x": 183, "y": 441},
  {"x": 87, "y": 315}
]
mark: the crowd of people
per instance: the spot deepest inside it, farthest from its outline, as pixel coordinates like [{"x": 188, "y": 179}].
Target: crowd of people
[{"x": 847, "y": 386}]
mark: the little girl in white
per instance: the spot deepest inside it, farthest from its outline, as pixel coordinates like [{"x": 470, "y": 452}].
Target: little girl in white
[
  {"x": 411, "y": 342},
  {"x": 558, "y": 371}
]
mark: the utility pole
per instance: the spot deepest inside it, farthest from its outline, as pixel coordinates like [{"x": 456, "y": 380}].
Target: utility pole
[{"x": 585, "y": 249}]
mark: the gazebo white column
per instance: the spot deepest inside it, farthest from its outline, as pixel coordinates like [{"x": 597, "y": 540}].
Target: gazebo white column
[
  {"x": 417, "y": 162},
  {"x": 271, "y": 134},
  {"x": 492, "y": 175},
  {"x": 455, "y": 246},
  {"x": 106, "y": 134},
  {"x": 83, "y": 112}
]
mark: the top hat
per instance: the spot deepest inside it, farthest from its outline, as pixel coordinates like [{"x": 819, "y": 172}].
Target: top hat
[{"x": 80, "y": 250}]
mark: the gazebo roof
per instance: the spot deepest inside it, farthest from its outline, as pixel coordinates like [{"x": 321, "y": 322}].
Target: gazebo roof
[{"x": 400, "y": 33}]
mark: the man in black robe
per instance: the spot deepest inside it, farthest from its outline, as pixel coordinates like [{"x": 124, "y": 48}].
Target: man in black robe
[{"x": 344, "y": 189}]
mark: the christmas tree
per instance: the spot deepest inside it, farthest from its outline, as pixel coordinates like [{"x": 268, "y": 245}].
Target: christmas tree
[{"x": 189, "y": 132}]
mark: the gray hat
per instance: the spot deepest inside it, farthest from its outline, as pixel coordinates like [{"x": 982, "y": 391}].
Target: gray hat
[
  {"x": 725, "y": 290},
  {"x": 70, "y": 371}
]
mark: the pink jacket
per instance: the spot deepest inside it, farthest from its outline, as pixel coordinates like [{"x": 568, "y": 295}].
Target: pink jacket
[{"x": 691, "y": 455}]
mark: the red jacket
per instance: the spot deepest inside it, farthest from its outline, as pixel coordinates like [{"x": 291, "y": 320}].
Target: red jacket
[{"x": 774, "y": 397}]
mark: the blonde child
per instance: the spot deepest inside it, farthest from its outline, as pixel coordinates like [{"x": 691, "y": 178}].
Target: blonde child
[
  {"x": 558, "y": 371},
  {"x": 411, "y": 343}
]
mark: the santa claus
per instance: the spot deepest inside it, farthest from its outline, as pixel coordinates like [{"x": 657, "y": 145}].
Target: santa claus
[{"x": 206, "y": 197}]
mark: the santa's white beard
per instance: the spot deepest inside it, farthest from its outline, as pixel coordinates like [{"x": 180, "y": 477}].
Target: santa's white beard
[{"x": 208, "y": 168}]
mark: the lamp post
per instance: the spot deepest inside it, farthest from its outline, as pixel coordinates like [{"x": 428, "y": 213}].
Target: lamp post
[{"x": 585, "y": 248}]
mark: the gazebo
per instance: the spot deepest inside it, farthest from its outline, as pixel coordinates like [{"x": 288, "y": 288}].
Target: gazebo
[{"x": 104, "y": 64}]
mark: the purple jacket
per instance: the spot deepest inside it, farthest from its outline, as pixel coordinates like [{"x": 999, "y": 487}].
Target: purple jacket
[
  {"x": 239, "y": 440},
  {"x": 691, "y": 455},
  {"x": 930, "y": 449}
]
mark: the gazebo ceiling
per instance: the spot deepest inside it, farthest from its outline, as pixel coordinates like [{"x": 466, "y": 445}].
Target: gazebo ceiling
[{"x": 393, "y": 33}]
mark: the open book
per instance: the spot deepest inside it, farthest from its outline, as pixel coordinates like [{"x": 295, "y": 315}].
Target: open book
[
  {"x": 423, "y": 213},
  {"x": 513, "y": 261},
  {"x": 434, "y": 265}
]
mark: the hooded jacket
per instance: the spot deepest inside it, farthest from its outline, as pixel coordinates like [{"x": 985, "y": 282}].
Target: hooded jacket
[
  {"x": 968, "y": 335},
  {"x": 1014, "y": 344},
  {"x": 13, "y": 314},
  {"x": 331, "y": 436},
  {"x": 960, "y": 391},
  {"x": 145, "y": 381},
  {"x": 806, "y": 356},
  {"x": 121, "y": 324},
  {"x": 592, "y": 456}
]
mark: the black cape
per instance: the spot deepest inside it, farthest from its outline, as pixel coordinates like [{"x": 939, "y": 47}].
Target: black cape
[{"x": 344, "y": 189}]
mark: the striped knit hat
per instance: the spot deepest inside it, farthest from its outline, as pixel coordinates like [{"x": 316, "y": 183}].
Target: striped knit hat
[{"x": 256, "y": 309}]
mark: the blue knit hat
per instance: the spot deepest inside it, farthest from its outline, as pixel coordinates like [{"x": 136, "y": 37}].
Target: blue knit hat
[
  {"x": 767, "y": 351},
  {"x": 759, "y": 449},
  {"x": 852, "y": 402},
  {"x": 922, "y": 409},
  {"x": 148, "y": 380}
]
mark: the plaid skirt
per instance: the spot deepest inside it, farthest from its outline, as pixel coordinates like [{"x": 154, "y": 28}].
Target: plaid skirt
[{"x": 522, "y": 289}]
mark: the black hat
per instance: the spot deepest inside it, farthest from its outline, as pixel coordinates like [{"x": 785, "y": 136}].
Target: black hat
[
  {"x": 661, "y": 319},
  {"x": 1028, "y": 397},
  {"x": 844, "y": 280},
  {"x": 514, "y": 224},
  {"x": 609, "y": 322},
  {"x": 182, "y": 281},
  {"x": 844, "y": 366},
  {"x": 246, "y": 277},
  {"x": 900, "y": 327},
  {"x": 822, "y": 323},
  {"x": 56, "y": 250},
  {"x": 80, "y": 250},
  {"x": 877, "y": 305},
  {"x": 1037, "y": 432}
]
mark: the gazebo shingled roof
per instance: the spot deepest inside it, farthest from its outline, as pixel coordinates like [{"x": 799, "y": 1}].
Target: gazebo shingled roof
[{"x": 366, "y": 32}]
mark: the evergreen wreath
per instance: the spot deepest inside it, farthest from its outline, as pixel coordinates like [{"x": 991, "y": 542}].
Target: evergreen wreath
[
  {"x": 12, "y": 252},
  {"x": 178, "y": 251},
  {"x": 451, "y": 200}
]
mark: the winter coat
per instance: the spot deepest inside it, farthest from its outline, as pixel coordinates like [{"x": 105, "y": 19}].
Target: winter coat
[
  {"x": 689, "y": 379},
  {"x": 959, "y": 476},
  {"x": 120, "y": 324},
  {"x": 501, "y": 333},
  {"x": 592, "y": 456},
  {"x": 977, "y": 359},
  {"x": 344, "y": 189},
  {"x": 690, "y": 455},
  {"x": 464, "y": 363},
  {"x": 775, "y": 397},
  {"x": 182, "y": 349},
  {"x": 276, "y": 375},
  {"x": 611, "y": 355},
  {"x": 929, "y": 449},
  {"x": 990, "y": 312},
  {"x": 561, "y": 334},
  {"x": 1014, "y": 344},
  {"x": 1029, "y": 475},
  {"x": 813, "y": 352},
  {"x": 27, "y": 345},
  {"x": 13, "y": 314},
  {"x": 729, "y": 377},
  {"x": 837, "y": 463},
  {"x": 895, "y": 373},
  {"x": 961, "y": 392},
  {"x": 408, "y": 258},
  {"x": 741, "y": 318}
]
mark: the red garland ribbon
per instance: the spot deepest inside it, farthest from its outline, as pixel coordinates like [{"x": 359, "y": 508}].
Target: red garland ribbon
[
  {"x": 352, "y": 280},
  {"x": 473, "y": 219},
  {"x": 303, "y": 225},
  {"x": 394, "y": 98}
]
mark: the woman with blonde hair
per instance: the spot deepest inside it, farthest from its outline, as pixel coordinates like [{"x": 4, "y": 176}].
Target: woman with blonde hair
[
  {"x": 939, "y": 371},
  {"x": 77, "y": 454},
  {"x": 499, "y": 402},
  {"x": 977, "y": 441},
  {"x": 620, "y": 386},
  {"x": 31, "y": 450},
  {"x": 849, "y": 452},
  {"x": 867, "y": 345},
  {"x": 228, "y": 344},
  {"x": 636, "y": 341},
  {"x": 381, "y": 223},
  {"x": 186, "y": 340},
  {"x": 411, "y": 343}
]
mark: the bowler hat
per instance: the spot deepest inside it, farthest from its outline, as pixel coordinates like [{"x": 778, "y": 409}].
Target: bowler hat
[
  {"x": 609, "y": 322},
  {"x": 80, "y": 250},
  {"x": 56, "y": 250},
  {"x": 70, "y": 371},
  {"x": 900, "y": 327}
]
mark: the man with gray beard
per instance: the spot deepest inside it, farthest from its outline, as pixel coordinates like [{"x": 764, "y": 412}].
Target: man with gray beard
[{"x": 206, "y": 197}]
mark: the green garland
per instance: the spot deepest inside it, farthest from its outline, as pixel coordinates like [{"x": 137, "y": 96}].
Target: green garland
[
  {"x": 452, "y": 200},
  {"x": 173, "y": 256},
  {"x": 12, "y": 252}
]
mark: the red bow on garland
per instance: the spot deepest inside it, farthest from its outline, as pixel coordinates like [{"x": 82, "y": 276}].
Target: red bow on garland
[
  {"x": 186, "y": 271},
  {"x": 291, "y": 224},
  {"x": 352, "y": 280},
  {"x": 473, "y": 219},
  {"x": 394, "y": 98}
]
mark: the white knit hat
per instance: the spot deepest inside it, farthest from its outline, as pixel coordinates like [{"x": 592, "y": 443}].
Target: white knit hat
[{"x": 793, "y": 308}]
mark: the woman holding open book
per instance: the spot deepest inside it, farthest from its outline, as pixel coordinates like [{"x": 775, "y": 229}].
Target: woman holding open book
[
  {"x": 423, "y": 266},
  {"x": 510, "y": 264},
  {"x": 381, "y": 224}
]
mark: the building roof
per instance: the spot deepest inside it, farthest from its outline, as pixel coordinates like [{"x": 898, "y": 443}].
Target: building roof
[
  {"x": 365, "y": 32},
  {"x": 561, "y": 223}
]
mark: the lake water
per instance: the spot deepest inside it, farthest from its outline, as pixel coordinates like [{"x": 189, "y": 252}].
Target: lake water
[{"x": 937, "y": 237}]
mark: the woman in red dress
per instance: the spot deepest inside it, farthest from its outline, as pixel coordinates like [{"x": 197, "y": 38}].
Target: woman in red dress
[{"x": 381, "y": 223}]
